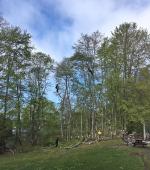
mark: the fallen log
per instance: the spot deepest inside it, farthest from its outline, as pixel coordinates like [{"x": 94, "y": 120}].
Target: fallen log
[{"x": 73, "y": 146}]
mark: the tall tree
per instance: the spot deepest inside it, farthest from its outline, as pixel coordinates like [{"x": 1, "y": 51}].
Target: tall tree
[
  {"x": 125, "y": 53},
  {"x": 64, "y": 82},
  {"x": 38, "y": 75},
  {"x": 14, "y": 53}
]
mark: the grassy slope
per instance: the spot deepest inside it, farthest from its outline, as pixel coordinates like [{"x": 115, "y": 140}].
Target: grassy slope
[{"x": 103, "y": 156}]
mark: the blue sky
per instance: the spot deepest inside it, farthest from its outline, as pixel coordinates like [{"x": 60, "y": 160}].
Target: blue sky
[{"x": 55, "y": 25}]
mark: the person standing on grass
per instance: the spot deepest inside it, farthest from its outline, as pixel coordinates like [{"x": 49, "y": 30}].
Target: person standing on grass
[
  {"x": 56, "y": 142},
  {"x": 99, "y": 135}
]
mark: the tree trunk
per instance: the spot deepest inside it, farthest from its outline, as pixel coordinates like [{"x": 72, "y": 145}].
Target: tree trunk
[
  {"x": 144, "y": 130},
  {"x": 81, "y": 128}
]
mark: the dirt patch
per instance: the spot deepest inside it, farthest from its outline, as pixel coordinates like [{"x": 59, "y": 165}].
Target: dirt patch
[
  {"x": 136, "y": 154},
  {"x": 142, "y": 155}
]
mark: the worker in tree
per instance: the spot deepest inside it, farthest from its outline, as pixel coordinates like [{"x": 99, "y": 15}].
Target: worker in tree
[
  {"x": 57, "y": 88},
  {"x": 56, "y": 142},
  {"x": 89, "y": 69}
]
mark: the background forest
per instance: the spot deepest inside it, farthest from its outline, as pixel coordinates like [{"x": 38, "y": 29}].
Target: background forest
[{"x": 104, "y": 85}]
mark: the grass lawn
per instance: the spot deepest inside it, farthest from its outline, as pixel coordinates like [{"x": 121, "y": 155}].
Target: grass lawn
[{"x": 108, "y": 155}]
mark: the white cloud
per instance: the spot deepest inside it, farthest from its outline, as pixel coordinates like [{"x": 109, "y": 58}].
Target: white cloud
[
  {"x": 87, "y": 16},
  {"x": 104, "y": 15}
]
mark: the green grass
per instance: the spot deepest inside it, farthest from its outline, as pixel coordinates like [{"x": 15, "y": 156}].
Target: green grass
[{"x": 103, "y": 156}]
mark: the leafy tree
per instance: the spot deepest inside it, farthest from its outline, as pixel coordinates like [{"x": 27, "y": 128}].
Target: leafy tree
[
  {"x": 38, "y": 74},
  {"x": 123, "y": 55},
  {"x": 64, "y": 81},
  {"x": 14, "y": 50},
  {"x": 48, "y": 123}
]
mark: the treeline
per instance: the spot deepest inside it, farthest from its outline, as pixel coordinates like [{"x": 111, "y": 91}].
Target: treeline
[
  {"x": 104, "y": 86},
  {"x": 25, "y": 112}
]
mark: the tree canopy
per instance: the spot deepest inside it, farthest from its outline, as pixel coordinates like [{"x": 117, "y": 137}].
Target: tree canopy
[{"x": 104, "y": 85}]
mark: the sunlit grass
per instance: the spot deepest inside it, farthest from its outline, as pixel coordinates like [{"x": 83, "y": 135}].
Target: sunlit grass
[{"x": 103, "y": 156}]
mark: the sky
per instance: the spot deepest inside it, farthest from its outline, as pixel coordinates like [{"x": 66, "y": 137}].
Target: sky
[{"x": 55, "y": 25}]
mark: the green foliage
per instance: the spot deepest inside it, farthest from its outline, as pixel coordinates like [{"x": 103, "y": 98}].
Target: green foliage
[
  {"x": 135, "y": 126},
  {"x": 104, "y": 85},
  {"x": 5, "y": 130}
]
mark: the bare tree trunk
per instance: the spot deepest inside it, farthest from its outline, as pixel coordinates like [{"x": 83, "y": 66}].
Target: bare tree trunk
[
  {"x": 6, "y": 97},
  {"x": 93, "y": 124},
  {"x": 81, "y": 123},
  {"x": 18, "y": 107},
  {"x": 144, "y": 130},
  {"x": 61, "y": 125}
]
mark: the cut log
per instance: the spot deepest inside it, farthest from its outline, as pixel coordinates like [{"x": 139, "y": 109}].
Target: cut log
[{"x": 73, "y": 146}]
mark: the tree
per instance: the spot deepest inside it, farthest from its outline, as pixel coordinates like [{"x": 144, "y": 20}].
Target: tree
[
  {"x": 123, "y": 55},
  {"x": 38, "y": 74},
  {"x": 15, "y": 51},
  {"x": 85, "y": 81},
  {"x": 48, "y": 123},
  {"x": 140, "y": 110},
  {"x": 64, "y": 81}
]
